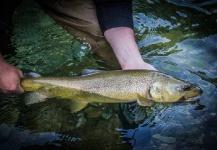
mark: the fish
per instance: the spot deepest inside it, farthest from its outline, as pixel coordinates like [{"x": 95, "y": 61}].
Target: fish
[{"x": 146, "y": 87}]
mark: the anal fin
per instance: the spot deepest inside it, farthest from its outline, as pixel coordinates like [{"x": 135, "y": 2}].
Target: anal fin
[{"x": 76, "y": 106}]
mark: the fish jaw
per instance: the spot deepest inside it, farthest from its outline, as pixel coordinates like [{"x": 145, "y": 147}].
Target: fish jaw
[
  {"x": 193, "y": 94},
  {"x": 193, "y": 99}
]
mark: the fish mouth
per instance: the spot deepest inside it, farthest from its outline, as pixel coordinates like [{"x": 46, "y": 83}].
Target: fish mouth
[
  {"x": 193, "y": 99},
  {"x": 193, "y": 96}
]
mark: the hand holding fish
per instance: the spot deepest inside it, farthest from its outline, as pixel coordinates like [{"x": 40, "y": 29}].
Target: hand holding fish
[
  {"x": 126, "y": 49},
  {"x": 9, "y": 78}
]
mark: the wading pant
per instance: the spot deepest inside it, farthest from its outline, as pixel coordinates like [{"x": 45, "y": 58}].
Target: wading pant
[{"x": 79, "y": 18}]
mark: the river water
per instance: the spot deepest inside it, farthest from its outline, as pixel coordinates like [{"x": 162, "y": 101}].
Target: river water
[{"x": 178, "y": 37}]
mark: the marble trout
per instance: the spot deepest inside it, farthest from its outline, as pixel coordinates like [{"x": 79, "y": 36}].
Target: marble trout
[{"x": 143, "y": 86}]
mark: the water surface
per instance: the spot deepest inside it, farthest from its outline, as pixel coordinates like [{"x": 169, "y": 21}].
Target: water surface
[{"x": 177, "y": 37}]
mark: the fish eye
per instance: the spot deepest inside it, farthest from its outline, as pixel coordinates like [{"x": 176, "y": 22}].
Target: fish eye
[{"x": 186, "y": 88}]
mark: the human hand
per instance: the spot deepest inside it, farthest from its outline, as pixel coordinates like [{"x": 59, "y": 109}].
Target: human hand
[
  {"x": 10, "y": 78},
  {"x": 123, "y": 43},
  {"x": 138, "y": 64}
]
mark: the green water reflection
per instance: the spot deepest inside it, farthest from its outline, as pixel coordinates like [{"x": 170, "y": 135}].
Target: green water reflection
[
  {"x": 45, "y": 47},
  {"x": 177, "y": 37}
]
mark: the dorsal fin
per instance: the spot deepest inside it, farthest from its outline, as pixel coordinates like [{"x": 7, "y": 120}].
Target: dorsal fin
[
  {"x": 33, "y": 75},
  {"x": 86, "y": 72}
]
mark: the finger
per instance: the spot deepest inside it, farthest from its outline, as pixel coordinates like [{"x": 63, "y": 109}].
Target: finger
[
  {"x": 20, "y": 74},
  {"x": 19, "y": 88}
]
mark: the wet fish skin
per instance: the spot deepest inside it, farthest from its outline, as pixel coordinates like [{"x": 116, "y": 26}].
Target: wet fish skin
[{"x": 118, "y": 86}]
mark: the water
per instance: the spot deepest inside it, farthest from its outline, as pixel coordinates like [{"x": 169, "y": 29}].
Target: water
[{"x": 177, "y": 37}]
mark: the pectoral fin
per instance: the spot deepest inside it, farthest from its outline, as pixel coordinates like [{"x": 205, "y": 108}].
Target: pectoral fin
[
  {"x": 144, "y": 101},
  {"x": 76, "y": 106}
]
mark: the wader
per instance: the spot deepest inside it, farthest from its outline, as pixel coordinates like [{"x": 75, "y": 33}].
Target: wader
[{"x": 79, "y": 18}]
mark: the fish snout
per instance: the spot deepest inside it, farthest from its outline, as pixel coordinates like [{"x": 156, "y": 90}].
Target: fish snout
[{"x": 193, "y": 95}]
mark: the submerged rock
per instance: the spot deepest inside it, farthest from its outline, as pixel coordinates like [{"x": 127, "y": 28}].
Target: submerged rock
[{"x": 93, "y": 112}]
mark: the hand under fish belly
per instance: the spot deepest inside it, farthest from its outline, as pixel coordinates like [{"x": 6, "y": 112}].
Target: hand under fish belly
[{"x": 143, "y": 86}]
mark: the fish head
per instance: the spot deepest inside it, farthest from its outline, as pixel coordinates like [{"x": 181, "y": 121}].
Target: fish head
[{"x": 173, "y": 90}]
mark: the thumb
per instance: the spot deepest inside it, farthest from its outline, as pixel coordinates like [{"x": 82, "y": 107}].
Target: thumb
[{"x": 19, "y": 90}]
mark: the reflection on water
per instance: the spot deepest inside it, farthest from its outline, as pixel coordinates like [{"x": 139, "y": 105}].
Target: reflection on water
[
  {"x": 177, "y": 37},
  {"x": 25, "y": 138}
]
